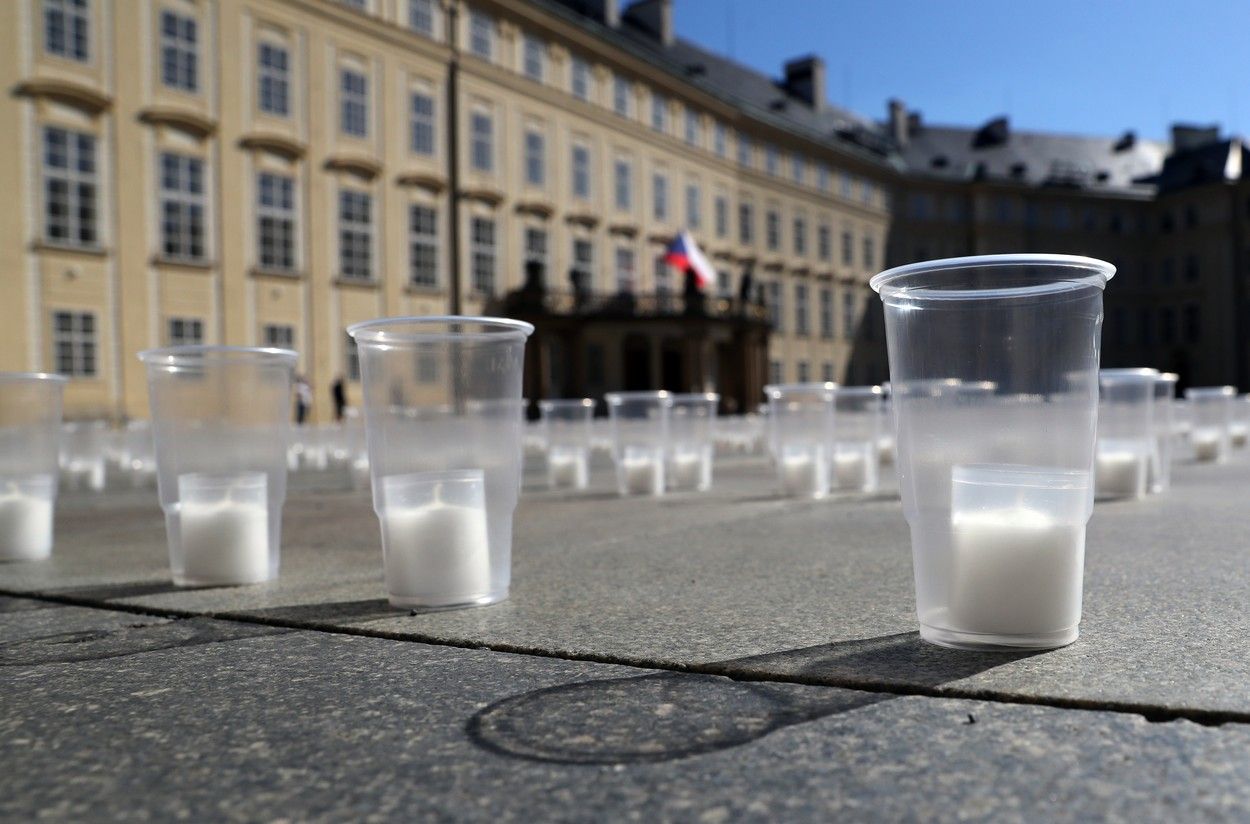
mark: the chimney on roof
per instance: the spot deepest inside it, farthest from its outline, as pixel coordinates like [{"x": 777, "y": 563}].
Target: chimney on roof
[
  {"x": 653, "y": 16},
  {"x": 805, "y": 79},
  {"x": 607, "y": 12},
  {"x": 1186, "y": 136},
  {"x": 900, "y": 122},
  {"x": 994, "y": 133}
]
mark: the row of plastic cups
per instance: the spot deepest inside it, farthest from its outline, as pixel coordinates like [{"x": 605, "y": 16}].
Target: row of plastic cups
[
  {"x": 662, "y": 441},
  {"x": 1214, "y": 426},
  {"x": 825, "y": 437}
]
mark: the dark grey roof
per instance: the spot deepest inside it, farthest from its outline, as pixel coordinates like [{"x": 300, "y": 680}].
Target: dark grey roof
[
  {"x": 996, "y": 152},
  {"x": 1216, "y": 161}
]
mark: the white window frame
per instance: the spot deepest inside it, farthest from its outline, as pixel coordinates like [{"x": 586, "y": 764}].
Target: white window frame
[
  {"x": 181, "y": 331},
  {"x": 535, "y": 157},
  {"x": 481, "y": 35},
  {"x": 277, "y": 223},
  {"x": 625, "y": 266},
  {"x": 423, "y": 17},
  {"x": 484, "y": 254},
  {"x": 693, "y": 128},
  {"x": 801, "y": 328},
  {"x": 183, "y": 210},
  {"x": 423, "y": 246},
  {"x": 621, "y": 97},
  {"x": 533, "y": 58},
  {"x": 579, "y": 78},
  {"x": 355, "y": 235},
  {"x": 77, "y": 340},
  {"x": 482, "y": 140},
  {"x": 353, "y": 103},
  {"x": 278, "y": 335},
  {"x": 273, "y": 81},
  {"x": 74, "y": 26},
  {"x": 536, "y": 247},
  {"x": 180, "y": 51},
  {"x": 579, "y": 172},
  {"x": 583, "y": 264},
  {"x": 694, "y": 206},
  {"x": 720, "y": 140},
  {"x": 826, "y": 313},
  {"x": 78, "y": 174},
  {"x": 659, "y": 197},
  {"x": 659, "y": 112},
  {"x": 721, "y": 217},
  {"x": 623, "y": 184},
  {"x": 422, "y": 135}
]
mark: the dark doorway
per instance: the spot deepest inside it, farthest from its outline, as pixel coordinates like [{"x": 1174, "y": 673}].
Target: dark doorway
[
  {"x": 672, "y": 369},
  {"x": 636, "y": 354}
]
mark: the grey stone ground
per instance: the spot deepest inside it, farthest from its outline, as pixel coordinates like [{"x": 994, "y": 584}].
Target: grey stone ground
[{"x": 311, "y": 698}]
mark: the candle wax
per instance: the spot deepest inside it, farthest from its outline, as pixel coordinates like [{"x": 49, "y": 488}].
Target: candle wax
[
  {"x": 1206, "y": 443},
  {"x": 1120, "y": 473},
  {"x": 25, "y": 527},
  {"x": 803, "y": 474},
  {"x": 643, "y": 474},
  {"x": 224, "y": 542},
  {"x": 1237, "y": 434},
  {"x": 436, "y": 551},
  {"x": 850, "y": 468},
  {"x": 1015, "y": 571},
  {"x": 686, "y": 470},
  {"x": 568, "y": 467}
]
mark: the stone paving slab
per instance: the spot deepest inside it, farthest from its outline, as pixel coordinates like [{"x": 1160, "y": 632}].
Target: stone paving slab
[
  {"x": 742, "y": 582},
  {"x": 314, "y": 726}
]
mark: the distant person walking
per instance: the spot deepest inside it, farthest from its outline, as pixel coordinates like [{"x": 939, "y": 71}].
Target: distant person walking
[
  {"x": 303, "y": 399},
  {"x": 339, "y": 393}
]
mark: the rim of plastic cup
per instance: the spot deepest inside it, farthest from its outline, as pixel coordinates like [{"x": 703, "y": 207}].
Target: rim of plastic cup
[
  {"x": 1127, "y": 373},
  {"x": 380, "y": 330},
  {"x": 695, "y": 396},
  {"x": 1017, "y": 475},
  {"x": 616, "y": 398},
  {"x": 1099, "y": 272},
  {"x": 1170, "y": 377},
  {"x": 551, "y": 403},
  {"x": 859, "y": 390},
  {"x": 1211, "y": 392},
  {"x": 189, "y": 353},
  {"x": 14, "y": 377},
  {"x": 799, "y": 388}
]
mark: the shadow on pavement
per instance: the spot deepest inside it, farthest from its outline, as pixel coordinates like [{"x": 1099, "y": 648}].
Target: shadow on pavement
[{"x": 665, "y": 716}]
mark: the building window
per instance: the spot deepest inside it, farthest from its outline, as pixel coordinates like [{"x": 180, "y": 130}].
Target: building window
[
  {"x": 802, "y": 373},
  {"x": 481, "y": 35},
  {"x": 798, "y": 168},
  {"x": 278, "y": 335},
  {"x": 659, "y": 197},
  {"x": 694, "y": 214},
  {"x": 482, "y": 137},
  {"x": 184, "y": 332},
  {"x": 826, "y": 372},
  {"x": 67, "y": 29},
  {"x": 580, "y": 79},
  {"x": 800, "y": 236},
  {"x": 870, "y": 255},
  {"x": 273, "y": 76},
  {"x": 69, "y": 183},
  {"x": 772, "y": 160},
  {"x": 800, "y": 309},
  {"x": 535, "y": 158},
  {"x": 422, "y": 246},
  {"x": 844, "y": 184},
  {"x": 182, "y": 207},
  {"x": 73, "y": 342},
  {"x": 776, "y": 374},
  {"x": 693, "y": 133},
  {"x": 275, "y": 218},
  {"x": 824, "y": 242},
  {"x": 536, "y": 248},
  {"x": 775, "y": 308},
  {"x": 533, "y": 58},
  {"x": 744, "y": 150},
  {"x": 581, "y": 172},
  {"x": 826, "y": 315},
  {"x": 624, "y": 270},
  {"x": 421, "y": 16},
  {"x": 1192, "y": 330},
  {"x": 358, "y": 5},
  {"x": 659, "y": 112},
  {"x": 421, "y": 123},
  {"x": 848, "y": 247},
  {"x": 353, "y": 103},
  {"x": 723, "y": 287},
  {"x": 483, "y": 254},
  {"x": 179, "y": 62},
  {"x": 822, "y": 177},
  {"x": 772, "y": 230},
  {"x": 583, "y": 270},
  {"x": 746, "y": 224},
  {"x": 624, "y": 186},
  {"x": 355, "y": 235},
  {"x": 721, "y": 208},
  {"x": 719, "y": 139},
  {"x": 663, "y": 285},
  {"x": 620, "y": 95},
  {"x": 351, "y": 359},
  {"x": 848, "y": 315}
]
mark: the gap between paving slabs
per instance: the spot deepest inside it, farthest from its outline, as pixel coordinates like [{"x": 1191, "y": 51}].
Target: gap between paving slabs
[{"x": 877, "y": 656}]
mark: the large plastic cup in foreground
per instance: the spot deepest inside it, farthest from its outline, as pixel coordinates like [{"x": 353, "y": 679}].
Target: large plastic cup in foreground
[
  {"x": 442, "y": 405},
  {"x": 1211, "y": 419},
  {"x": 221, "y": 425},
  {"x": 639, "y": 426},
  {"x": 1126, "y": 432},
  {"x": 565, "y": 429},
  {"x": 994, "y": 378},
  {"x": 30, "y": 446},
  {"x": 855, "y": 464},
  {"x": 691, "y": 441},
  {"x": 1165, "y": 429},
  {"x": 802, "y": 419}
]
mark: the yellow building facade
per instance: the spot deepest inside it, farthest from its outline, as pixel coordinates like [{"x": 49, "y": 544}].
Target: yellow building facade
[{"x": 267, "y": 172}]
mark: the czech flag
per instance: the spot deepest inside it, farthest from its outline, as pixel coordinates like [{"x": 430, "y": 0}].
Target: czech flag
[{"x": 684, "y": 253}]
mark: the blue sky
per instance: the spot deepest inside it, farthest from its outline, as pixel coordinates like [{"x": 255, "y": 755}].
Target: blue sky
[{"x": 1084, "y": 66}]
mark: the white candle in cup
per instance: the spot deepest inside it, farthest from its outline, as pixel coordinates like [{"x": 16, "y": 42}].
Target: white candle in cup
[
  {"x": 435, "y": 550},
  {"x": 1120, "y": 469},
  {"x": 643, "y": 472},
  {"x": 850, "y": 466},
  {"x": 804, "y": 473},
  {"x": 1237, "y": 434},
  {"x": 568, "y": 467},
  {"x": 224, "y": 542},
  {"x": 1014, "y": 570},
  {"x": 685, "y": 470},
  {"x": 26, "y": 521},
  {"x": 1206, "y": 443}
]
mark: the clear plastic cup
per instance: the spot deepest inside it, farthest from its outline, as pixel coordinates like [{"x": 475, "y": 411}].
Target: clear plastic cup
[
  {"x": 802, "y": 418},
  {"x": 1239, "y": 429},
  {"x": 691, "y": 441},
  {"x": 639, "y": 427},
  {"x": 30, "y": 450},
  {"x": 857, "y": 438},
  {"x": 885, "y": 441},
  {"x": 221, "y": 427},
  {"x": 1165, "y": 429},
  {"x": 84, "y": 454},
  {"x": 565, "y": 426},
  {"x": 1211, "y": 418},
  {"x": 994, "y": 379},
  {"x": 443, "y": 420},
  {"x": 1127, "y": 439}
]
